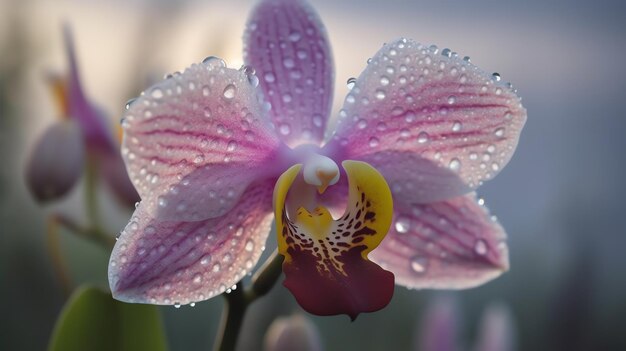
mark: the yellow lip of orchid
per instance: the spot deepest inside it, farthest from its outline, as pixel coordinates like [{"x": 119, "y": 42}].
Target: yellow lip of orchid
[{"x": 334, "y": 252}]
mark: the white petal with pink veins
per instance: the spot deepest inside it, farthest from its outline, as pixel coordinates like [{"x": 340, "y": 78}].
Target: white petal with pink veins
[
  {"x": 453, "y": 244},
  {"x": 286, "y": 43},
  {"x": 195, "y": 141},
  {"x": 414, "y": 100},
  {"x": 172, "y": 262}
]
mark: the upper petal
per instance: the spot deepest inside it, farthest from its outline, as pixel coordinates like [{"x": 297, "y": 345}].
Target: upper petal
[
  {"x": 453, "y": 244},
  {"x": 443, "y": 109},
  {"x": 286, "y": 43},
  {"x": 193, "y": 142},
  {"x": 169, "y": 262}
]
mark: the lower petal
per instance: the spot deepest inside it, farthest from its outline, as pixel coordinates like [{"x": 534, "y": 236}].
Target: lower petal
[
  {"x": 452, "y": 244},
  {"x": 172, "y": 262},
  {"x": 326, "y": 261}
]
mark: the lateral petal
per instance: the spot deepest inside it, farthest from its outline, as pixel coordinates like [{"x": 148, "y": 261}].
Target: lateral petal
[
  {"x": 286, "y": 43},
  {"x": 174, "y": 262},
  {"x": 412, "y": 99},
  {"x": 453, "y": 244},
  {"x": 326, "y": 261},
  {"x": 195, "y": 141}
]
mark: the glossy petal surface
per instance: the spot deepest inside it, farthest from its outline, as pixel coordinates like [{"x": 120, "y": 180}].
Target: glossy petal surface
[
  {"x": 286, "y": 43},
  {"x": 169, "y": 262},
  {"x": 411, "y": 99},
  {"x": 56, "y": 162},
  {"x": 452, "y": 244},
  {"x": 326, "y": 261},
  {"x": 193, "y": 142}
]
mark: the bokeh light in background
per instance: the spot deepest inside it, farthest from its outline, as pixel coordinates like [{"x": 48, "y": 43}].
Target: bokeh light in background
[{"x": 560, "y": 198}]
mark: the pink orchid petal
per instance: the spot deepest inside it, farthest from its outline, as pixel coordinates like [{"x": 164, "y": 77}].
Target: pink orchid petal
[
  {"x": 286, "y": 43},
  {"x": 439, "y": 326},
  {"x": 411, "y": 99},
  {"x": 170, "y": 262},
  {"x": 56, "y": 162},
  {"x": 291, "y": 333},
  {"x": 454, "y": 244},
  {"x": 497, "y": 329},
  {"x": 195, "y": 141}
]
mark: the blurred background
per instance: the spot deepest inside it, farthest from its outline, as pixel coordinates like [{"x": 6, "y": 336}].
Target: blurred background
[{"x": 561, "y": 198}]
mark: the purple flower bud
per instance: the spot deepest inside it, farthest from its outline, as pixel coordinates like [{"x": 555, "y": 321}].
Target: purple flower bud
[{"x": 56, "y": 161}]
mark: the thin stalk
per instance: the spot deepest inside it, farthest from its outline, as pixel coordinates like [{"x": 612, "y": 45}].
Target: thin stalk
[
  {"x": 238, "y": 300},
  {"x": 54, "y": 249}
]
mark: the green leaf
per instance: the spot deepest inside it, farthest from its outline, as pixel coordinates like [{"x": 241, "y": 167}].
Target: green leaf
[{"x": 93, "y": 320}]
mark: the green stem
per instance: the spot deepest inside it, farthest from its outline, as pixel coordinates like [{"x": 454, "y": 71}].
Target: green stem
[
  {"x": 54, "y": 249},
  {"x": 238, "y": 300},
  {"x": 91, "y": 189}
]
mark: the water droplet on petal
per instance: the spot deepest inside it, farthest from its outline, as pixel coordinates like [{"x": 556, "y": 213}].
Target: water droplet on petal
[
  {"x": 205, "y": 259},
  {"x": 380, "y": 94},
  {"x": 374, "y": 142},
  {"x": 496, "y": 76},
  {"x": 456, "y": 126},
  {"x": 284, "y": 129},
  {"x": 499, "y": 132},
  {"x": 128, "y": 103},
  {"x": 455, "y": 164},
  {"x": 288, "y": 63},
  {"x": 384, "y": 80},
  {"x": 197, "y": 278},
  {"x": 402, "y": 225},
  {"x": 156, "y": 93},
  {"x": 351, "y": 82},
  {"x": 422, "y": 137},
  {"x": 295, "y": 36},
  {"x": 269, "y": 77},
  {"x": 214, "y": 62},
  {"x": 446, "y": 52},
  {"x": 229, "y": 91},
  {"x": 249, "y": 245},
  {"x": 480, "y": 247},
  {"x": 419, "y": 264},
  {"x": 451, "y": 99}
]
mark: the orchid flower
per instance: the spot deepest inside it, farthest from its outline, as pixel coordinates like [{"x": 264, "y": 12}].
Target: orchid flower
[
  {"x": 295, "y": 332},
  {"x": 439, "y": 328},
  {"x": 58, "y": 158},
  {"x": 212, "y": 149}
]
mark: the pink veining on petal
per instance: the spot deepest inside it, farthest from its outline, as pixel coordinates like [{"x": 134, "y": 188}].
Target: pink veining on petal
[
  {"x": 453, "y": 244},
  {"x": 170, "y": 262},
  {"x": 194, "y": 142},
  {"x": 412, "y": 99},
  {"x": 286, "y": 43}
]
